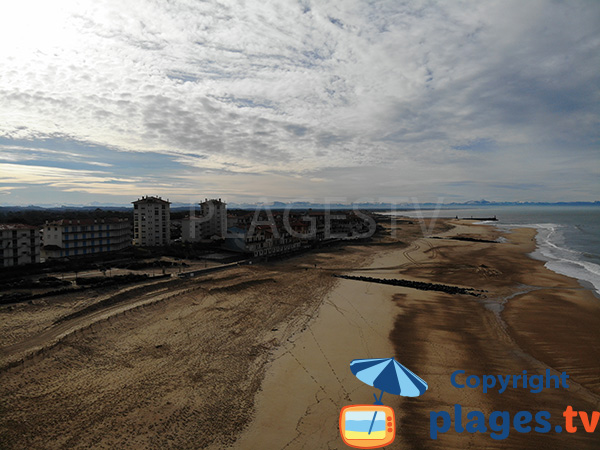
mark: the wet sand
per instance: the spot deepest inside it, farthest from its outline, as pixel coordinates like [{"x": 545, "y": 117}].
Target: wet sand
[{"x": 556, "y": 325}]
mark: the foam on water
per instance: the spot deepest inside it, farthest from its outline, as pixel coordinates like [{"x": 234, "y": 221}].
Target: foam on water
[{"x": 552, "y": 249}]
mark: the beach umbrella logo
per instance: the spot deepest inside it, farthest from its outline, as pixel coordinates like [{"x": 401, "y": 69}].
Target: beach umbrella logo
[{"x": 373, "y": 426}]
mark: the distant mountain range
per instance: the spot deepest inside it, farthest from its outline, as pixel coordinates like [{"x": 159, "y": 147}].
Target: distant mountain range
[{"x": 304, "y": 205}]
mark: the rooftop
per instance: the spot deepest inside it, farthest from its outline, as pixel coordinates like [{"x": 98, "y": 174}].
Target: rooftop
[
  {"x": 214, "y": 200},
  {"x": 87, "y": 221},
  {"x": 151, "y": 199},
  {"x": 16, "y": 226}
]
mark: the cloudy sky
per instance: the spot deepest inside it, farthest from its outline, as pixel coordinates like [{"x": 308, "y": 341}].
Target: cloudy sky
[{"x": 108, "y": 100}]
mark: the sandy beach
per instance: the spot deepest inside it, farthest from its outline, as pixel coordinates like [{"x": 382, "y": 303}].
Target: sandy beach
[
  {"x": 555, "y": 326},
  {"x": 258, "y": 356}
]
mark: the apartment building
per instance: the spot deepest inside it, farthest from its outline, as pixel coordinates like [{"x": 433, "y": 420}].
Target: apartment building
[
  {"x": 210, "y": 223},
  {"x": 19, "y": 244},
  {"x": 68, "y": 238},
  {"x": 151, "y": 221}
]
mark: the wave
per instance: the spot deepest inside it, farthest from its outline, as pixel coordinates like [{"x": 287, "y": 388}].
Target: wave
[{"x": 552, "y": 248}]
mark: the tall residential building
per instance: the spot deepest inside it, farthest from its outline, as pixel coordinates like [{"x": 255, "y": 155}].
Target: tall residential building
[
  {"x": 19, "y": 244},
  {"x": 68, "y": 238},
  {"x": 211, "y": 222},
  {"x": 151, "y": 222}
]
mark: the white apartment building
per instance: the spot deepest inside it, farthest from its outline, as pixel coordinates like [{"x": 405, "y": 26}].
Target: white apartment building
[
  {"x": 68, "y": 238},
  {"x": 211, "y": 222},
  {"x": 19, "y": 244},
  {"x": 151, "y": 221}
]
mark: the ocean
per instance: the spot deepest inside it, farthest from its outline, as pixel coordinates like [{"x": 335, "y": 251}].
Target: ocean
[{"x": 568, "y": 237}]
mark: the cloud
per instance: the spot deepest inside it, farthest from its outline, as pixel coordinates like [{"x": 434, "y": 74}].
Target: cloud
[
  {"x": 7, "y": 190},
  {"x": 438, "y": 91},
  {"x": 52, "y": 176}
]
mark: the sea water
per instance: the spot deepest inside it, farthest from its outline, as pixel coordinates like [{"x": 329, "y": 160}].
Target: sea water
[
  {"x": 568, "y": 237},
  {"x": 365, "y": 425}
]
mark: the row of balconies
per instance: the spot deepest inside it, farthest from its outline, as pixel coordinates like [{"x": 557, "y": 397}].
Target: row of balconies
[
  {"x": 9, "y": 255},
  {"x": 85, "y": 236},
  {"x": 7, "y": 235},
  {"x": 82, "y": 228},
  {"x": 96, "y": 243},
  {"x": 19, "y": 243}
]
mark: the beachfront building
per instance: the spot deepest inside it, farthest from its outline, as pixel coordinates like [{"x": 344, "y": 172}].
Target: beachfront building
[
  {"x": 210, "y": 224},
  {"x": 69, "y": 238},
  {"x": 262, "y": 240},
  {"x": 277, "y": 233},
  {"x": 19, "y": 244},
  {"x": 151, "y": 221}
]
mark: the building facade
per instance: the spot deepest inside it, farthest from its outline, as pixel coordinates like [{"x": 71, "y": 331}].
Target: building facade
[
  {"x": 269, "y": 234},
  {"x": 19, "y": 244},
  {"x": 68, "y": 238},
  {"x": 261, "y": 242},
  {"x": 151, "y": 222},
  {"x": 211, "y": 223}
]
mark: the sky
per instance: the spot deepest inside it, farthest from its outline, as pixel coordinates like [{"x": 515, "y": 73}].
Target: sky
[{"x": 103, "y": 101}]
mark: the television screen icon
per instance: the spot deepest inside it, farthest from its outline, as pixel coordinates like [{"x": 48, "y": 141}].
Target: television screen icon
[{"x": 367, "y": 426}]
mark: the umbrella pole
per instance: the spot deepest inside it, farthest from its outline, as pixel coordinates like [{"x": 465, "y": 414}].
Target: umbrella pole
[
  {"x": 377, "y": 402},
  {"x": 372, "y": 422}
]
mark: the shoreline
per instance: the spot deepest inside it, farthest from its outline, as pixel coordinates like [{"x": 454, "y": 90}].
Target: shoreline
[
  {"x": 537, "y": 254},
  {"x": 589, "y": 281},
  {"x": 492, "y": 335}
]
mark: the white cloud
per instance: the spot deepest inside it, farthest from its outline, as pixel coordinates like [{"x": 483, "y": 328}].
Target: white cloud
[
  {"x": 306, "y": 87},
  {"x": 52, "y": 176}
]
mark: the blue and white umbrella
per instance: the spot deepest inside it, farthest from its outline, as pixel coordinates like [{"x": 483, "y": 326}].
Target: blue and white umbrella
[{"x": 389, "y": 376}]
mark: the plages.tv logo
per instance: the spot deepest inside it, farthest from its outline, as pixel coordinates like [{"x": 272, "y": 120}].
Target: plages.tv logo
[
  {"x": 374, "y": 426},
  {"x": 500, "y": 423}
]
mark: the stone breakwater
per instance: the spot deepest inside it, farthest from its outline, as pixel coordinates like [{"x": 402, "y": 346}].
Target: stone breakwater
[{"x": 423, "y": 286}]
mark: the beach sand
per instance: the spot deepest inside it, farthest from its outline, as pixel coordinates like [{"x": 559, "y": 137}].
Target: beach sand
[
  {"x": 258, "y": 357},
  {"x": 555, "y": 326},
  {"x": 175, "y": 365}
]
